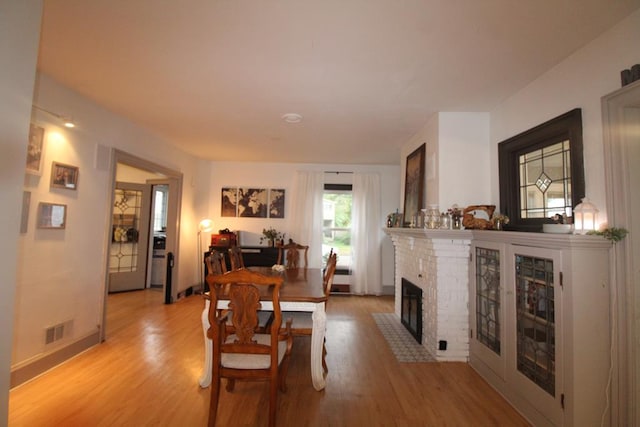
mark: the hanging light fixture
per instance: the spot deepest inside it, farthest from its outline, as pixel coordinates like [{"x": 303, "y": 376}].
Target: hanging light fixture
[
  {"x": 585, "y": 215},
  {"x": 66, "y": 120}
]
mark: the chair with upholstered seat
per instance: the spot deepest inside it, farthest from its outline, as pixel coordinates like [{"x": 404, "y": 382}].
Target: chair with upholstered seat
[
  {"x": 235, "y": 257},
  {"x": 302, "y": 324},
  {"x": 245, "y": 354},
  {"x": 291, "y": 253}
]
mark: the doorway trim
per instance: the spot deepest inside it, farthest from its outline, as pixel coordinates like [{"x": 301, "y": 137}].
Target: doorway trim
[
  {"x": 174, "y": 179},
  {"x": 624, "y": 385}
]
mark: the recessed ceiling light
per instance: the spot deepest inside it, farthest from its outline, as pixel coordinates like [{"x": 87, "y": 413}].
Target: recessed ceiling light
[{"x": 292, "y": 117}]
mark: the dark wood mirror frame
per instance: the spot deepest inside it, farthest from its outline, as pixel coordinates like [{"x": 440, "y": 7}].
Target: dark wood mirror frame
[{"x": 565, "y": 127}]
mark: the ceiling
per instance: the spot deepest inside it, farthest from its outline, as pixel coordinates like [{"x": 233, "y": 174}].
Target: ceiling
[{"x": 215, "y": 76}]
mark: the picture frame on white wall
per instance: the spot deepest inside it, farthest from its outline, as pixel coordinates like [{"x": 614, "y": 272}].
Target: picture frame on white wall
[
  {"x": 229, "y": 202},
  {"x": 252, "y": 202},
  {"x": 276, "y": 203},
  {"x": 414, "y": 184},
  {"x": 24, "y": 219},
  {"x": 52, "y": 215},
  {"x": 35, "y": 150},
  {"x": 64, "y": 176}
]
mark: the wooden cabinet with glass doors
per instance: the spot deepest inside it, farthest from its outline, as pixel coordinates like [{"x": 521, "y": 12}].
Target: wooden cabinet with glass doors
[{"x": 539, "y": 310}]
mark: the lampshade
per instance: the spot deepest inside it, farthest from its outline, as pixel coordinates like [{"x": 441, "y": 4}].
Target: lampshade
[
  {"x": 206, "y": 225},
  {"x": 584, "y": 216}
]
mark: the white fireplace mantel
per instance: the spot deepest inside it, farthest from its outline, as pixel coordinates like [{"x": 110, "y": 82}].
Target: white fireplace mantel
[{"x": 437, "y": 261}]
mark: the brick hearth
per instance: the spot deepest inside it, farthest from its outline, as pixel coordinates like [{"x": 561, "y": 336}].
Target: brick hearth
[{"x": 438, "y": 262}]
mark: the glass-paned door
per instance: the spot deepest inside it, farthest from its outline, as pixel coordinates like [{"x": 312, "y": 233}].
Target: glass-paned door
[
  {"x": 488, "y": 298},
  {"x": 534, "y": 320},
  {"x": 129, "y": 237},
  {"x": 486, "y": 306}
]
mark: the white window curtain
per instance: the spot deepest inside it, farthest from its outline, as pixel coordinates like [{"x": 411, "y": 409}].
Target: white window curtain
[
  {"x": 307, "y": 214},
  {"x": 365, "y": 234}
]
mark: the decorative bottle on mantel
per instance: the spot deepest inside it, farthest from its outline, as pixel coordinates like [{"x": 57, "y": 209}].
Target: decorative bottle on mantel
[
  {"x": 445, "y": 221},
  {"x": 433, "y": 217}
]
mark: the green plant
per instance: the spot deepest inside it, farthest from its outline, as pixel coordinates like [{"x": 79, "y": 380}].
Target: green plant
[
  {"x": 271, "y": 234},
  {"x": 614, "y": 234}
]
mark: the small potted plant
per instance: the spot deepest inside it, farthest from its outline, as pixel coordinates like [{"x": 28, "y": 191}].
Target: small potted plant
[
  {"x": 271, "y": 235},
  {"x": 456, "y": 216}
]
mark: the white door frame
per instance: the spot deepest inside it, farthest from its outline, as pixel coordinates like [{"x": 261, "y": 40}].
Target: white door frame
[
  {"x": 617, "y": 109},
  {"x": 174, "y": 179}
]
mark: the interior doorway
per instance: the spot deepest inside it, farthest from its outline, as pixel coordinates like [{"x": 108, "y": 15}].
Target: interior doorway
[
  {"x": 148, "y": 175},
  {"x": 621, "y": 126}
]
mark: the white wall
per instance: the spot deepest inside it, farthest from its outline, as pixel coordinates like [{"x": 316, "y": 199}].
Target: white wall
[
  {"x": 463, "y": 158},
  {"x": 19, "y": 32},
  {"x": 578, "y": 81},
  {"x": 61, "y": 273},
  {"x": 457, "y": 154},
  {"x": 282, "y": 175}
]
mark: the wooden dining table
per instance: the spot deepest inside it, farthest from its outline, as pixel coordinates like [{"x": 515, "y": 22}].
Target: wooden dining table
[{"x": 302, "y": 290}]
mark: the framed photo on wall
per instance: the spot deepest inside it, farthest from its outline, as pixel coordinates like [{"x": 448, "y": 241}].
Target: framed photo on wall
[
  {"x": 276, "y": 203},
  {"x": 229, "y": 202},
  {"x": 52, "y": 215},
  {"x": 35, "y": 150},
  {"x": 414, "y": 184},
  {"x": 26, "y": 204},
  {"x": 64, "y": 176},
  {"x": 252, "y": 202}
]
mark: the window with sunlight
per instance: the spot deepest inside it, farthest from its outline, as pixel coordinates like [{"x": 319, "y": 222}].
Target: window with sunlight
[{"x": 336, "y": 227}]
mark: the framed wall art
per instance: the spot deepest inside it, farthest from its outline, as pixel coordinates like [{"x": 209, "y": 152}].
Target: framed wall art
[
  {"x": 52, "y": 215},
  {"x": 64, "y": 176},
  {"x": 252, "y": 202},
  {"x": 276, "y": 203},
  {"x": 26, "y": 204},
  {"x": 35, "y": 150},
  {"x": 229, "y": 201},
  {"x": 414, "y": 184}
]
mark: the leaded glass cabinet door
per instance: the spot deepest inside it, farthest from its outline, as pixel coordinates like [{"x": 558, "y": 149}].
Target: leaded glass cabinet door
[
  {"x": 487, "y": 306},
  {"x": 534, "y": 312}
]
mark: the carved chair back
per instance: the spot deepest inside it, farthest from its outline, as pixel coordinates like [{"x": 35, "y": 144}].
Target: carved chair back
[
  {"x": 268, "y": 353},
  {"x": 235, "y": 257},
  {"x": 291, "y": 253}
]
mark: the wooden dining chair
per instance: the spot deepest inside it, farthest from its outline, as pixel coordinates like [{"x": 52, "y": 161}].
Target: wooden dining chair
[
  {"x": 245, "y": 354},
  {"x": 291, "y": 253},
  {"x": 326, "y": 266},
  {"x": 215, "y": 263},
  {"x": 302, "y": 325},
  {"x": 235, "y": 256}
]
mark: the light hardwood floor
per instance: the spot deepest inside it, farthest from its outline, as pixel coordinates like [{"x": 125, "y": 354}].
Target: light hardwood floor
[{"x": 146, "y": 374}]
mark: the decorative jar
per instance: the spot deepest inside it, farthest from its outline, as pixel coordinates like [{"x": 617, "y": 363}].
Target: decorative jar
[{"x": 433, "y": 217}]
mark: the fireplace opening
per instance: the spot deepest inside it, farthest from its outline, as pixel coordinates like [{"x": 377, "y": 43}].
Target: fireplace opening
[{"x": 411, "y": 309}]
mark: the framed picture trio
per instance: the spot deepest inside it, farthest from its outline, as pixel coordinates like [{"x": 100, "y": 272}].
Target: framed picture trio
[{"x": 252, "y": 202}]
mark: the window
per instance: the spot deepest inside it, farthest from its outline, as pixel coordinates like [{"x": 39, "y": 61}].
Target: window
[
  {"x": 160, "y": 207},
  {"x": 542, "y": 172},
  {"x": 336, "y": 223}
]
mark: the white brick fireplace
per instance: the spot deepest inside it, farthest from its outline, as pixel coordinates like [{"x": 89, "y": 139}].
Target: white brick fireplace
[{"x": 437, "y": 261}]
